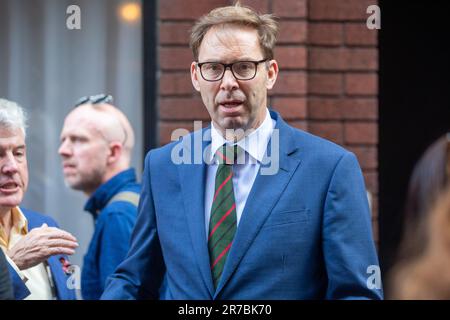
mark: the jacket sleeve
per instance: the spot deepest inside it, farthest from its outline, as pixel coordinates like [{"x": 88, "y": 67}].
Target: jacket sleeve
[
  {"x": 141, "y": 274},
  {"x": 348, "y": 246},
  {"x": 115, "y": 243}
]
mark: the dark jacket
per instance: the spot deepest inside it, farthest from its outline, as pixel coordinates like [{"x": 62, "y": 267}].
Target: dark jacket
[
  {"x": 114, "y": 222},
  {"x": 6, "y": 291}
]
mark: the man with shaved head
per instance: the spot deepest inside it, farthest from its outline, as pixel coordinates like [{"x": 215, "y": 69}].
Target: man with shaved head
[{"x": 96, "y": 144}]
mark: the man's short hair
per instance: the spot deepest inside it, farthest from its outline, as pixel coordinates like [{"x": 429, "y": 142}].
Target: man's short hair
[
  {"x": 265, "y": 24},
  {"x": 12, "y": 115}
]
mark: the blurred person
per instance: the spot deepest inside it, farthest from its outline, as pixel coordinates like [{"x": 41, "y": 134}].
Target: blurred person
[
  {"x": 6, "y": 290},
  {"x": 33, "y": 245},
  {"x": 96, "y": 144},
  {"x": 425, "y": 225},
  {"x": 222, "y": 224},
  {"x": 427, "y": 275},
  {"x": 428, "y": 179}
]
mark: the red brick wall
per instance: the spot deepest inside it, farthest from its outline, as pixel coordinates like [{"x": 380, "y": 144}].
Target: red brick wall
[
  {"x": 342, "y": 103},
  {"x": 328, "y": 83}
]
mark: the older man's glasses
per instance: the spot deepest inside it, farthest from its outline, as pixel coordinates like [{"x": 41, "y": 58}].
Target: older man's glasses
[
  {"x": 242, "y": 70},
  {"x": 95, "y": 99}
]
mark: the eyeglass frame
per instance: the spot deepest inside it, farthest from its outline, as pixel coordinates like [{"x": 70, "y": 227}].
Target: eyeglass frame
[
  {"x": 230, "y": 66},
  {"x": 98, "y": 99}
]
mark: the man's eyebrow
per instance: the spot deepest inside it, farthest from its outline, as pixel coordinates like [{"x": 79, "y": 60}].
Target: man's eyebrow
[
  {"x": 209, "y": 61},
  {"x": 248, "y": 59},
  {"x": 245, "y": 58}
]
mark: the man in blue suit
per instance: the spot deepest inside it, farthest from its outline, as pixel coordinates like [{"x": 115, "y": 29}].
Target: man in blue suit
[
  {"x": 33, "y": 245},
  {"x": 248, "y": 208}
]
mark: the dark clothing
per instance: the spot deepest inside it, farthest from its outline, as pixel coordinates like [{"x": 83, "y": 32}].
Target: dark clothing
[
  {"x": 114, "y": 222},
  {"x": 6, "y": 291}
]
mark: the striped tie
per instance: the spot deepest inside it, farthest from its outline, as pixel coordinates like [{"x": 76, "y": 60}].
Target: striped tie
[{"x": 222, "y": 223}]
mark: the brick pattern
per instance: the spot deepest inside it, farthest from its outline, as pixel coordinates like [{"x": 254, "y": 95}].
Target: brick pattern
[
  {"x": 328, "y": 82},
  {"x": 178, "y": 104},
  {"x": 289, "y": 96},
  {"x": 342, "y": 103}
]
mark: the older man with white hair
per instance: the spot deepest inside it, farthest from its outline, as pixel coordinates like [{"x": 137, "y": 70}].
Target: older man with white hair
[{"x": 34, "y": 246}]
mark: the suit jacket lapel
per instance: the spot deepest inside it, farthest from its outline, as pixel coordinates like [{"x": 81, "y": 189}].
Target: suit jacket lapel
[
  {"x": 59, "y": 278},
  {"x": 261, "y": 200},
  {"x": 192, "y": 180},
  {"x": 57, "y": 275}
]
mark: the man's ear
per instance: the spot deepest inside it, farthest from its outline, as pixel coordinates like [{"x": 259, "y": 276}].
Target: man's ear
[
  {"x": 116, "y": 150},
  {"x": 272, "y": 74},
  {"x": 194, "y": 76}
]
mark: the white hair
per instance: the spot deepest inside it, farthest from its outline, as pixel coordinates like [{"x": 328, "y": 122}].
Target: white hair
[{"x": 12, "y": 115}]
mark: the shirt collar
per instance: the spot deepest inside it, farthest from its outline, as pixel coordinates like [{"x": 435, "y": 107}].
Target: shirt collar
[
  {"x": 255, "y": 144},
  {"x": 20, "y": 225},
  {"x": 20, "y": 222},
  {"x": 100, "y": 198}
]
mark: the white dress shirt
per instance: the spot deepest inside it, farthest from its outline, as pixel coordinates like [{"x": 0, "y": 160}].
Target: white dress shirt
[{"x": 246, "y": 168}]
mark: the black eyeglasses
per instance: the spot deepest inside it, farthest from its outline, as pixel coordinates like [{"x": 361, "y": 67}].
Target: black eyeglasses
[
  {"x": 242, "y": 70},
  {"x": 95, "y": 99}
]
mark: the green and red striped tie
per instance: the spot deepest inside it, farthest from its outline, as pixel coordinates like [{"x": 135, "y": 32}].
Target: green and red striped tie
[{"x": 222, "y": 223}]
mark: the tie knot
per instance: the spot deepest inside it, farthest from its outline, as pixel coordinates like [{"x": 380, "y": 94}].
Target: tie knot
[{"x": 227, "y": 154}]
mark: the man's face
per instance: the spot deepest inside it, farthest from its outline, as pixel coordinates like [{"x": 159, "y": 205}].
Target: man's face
[
  {"x": 14, "y": 170},
  {"x": 232, "y": 103},
  {"x": 84, "y": 151}
]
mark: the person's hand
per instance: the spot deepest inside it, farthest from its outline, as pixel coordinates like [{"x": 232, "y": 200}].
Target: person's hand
[{"x": 40, "y": 244}]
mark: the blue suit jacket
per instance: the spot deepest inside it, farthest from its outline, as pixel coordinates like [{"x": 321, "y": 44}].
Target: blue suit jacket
[
  {"x": 36, "y": 220},
  {"x": 305, "y": 232}
]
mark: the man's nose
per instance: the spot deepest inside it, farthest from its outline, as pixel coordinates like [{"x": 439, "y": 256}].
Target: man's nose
[
  {"x": 64, "y": 149},
  {"x": 229, "y": 82},
  {"x": 9, "y": 165}
]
